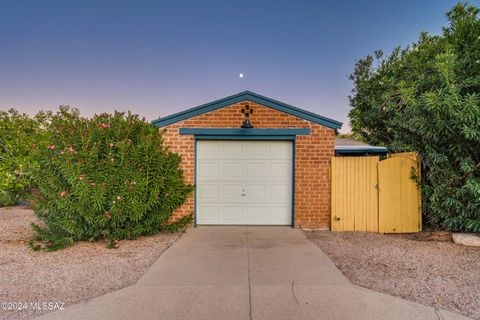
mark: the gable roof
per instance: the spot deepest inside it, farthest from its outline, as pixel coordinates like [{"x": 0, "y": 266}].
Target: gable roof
[{"x": 253, "y": 97}]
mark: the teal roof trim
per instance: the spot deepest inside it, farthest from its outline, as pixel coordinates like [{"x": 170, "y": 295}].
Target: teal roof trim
[
  {"x": 247, "y": 96},
  {"x": 244, "y": 132},
  {"x": 350, "y": 150}
]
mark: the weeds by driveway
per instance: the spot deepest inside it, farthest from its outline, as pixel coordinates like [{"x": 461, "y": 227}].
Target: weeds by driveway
[
  {"x": 77, "y": 273},
  {"x": 438, "y": 274}
]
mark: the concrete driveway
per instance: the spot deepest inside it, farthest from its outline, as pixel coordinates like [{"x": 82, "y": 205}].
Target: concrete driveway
[{"x": 246, "y": 273}]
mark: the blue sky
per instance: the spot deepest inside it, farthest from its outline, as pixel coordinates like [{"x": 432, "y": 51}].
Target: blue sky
[{"x": 160, "y": 57}]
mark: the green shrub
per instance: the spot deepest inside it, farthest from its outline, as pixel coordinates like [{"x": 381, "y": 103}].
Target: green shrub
[
  {"x": 18, "y": 134},
  {"x": 426, "y": 98},
  {"x": 108, "y": 177},
  {"x": 7, "y": 198}
]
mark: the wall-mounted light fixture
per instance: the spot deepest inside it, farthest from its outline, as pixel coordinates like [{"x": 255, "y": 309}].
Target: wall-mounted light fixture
[{"x": 247, "y": 111}]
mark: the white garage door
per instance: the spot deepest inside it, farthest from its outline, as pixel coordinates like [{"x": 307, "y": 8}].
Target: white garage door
[{"x": 244, "y": 182}]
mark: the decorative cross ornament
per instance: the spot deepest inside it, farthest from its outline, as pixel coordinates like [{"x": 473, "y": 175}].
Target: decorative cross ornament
[{"x": 247, "y": 112}]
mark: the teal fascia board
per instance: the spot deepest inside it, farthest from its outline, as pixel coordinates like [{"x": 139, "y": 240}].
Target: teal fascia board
[
  {"x": 248, "y": 96},
  {"x": 244, "y": 132},
  {"x": 371, "y": 150},
  {"x": 227, "y": 137}
]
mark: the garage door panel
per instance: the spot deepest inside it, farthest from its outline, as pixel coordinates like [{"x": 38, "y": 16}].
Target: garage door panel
[
  {"x": 256, "y": 192},
  {"x": 208, "y": 192},
  {"x": 208, "y": 170},
  {"x": 280, "y": 215},
  {"x": 281, "y": 151},
  {"x": 232, "y": 169},
  {"x": 256, "y": 170},
  {"x": 209, "y": 151},
  {"x": 257, "y": 215},
  {"x": 232, "y": 192},
  {"x": 280, "y": 170},
  {"x": 255, "y": 148},
  {"x": 247, "y": 182},
  {"x": 280, "y": 191},
  {"x": 210, "y": 214},
  {"x": 231, "y": 149},
  {"x": 232, "y": 215}
]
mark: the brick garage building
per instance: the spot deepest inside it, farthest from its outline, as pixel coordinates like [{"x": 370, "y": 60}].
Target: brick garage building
[{"x": 276, "y": 173}]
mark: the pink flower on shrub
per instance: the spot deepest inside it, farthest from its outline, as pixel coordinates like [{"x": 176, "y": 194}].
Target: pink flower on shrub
[
  {"x": 81, "y": 177},
  {"x": 52, "y": 147},
  {"x": 104, "y": 125},
  {"x": 70, "y": 149},
  {"x": 62, "y": 152},
  {"x": 110, "y": 145},
  {"x": 63, "y": 194}
]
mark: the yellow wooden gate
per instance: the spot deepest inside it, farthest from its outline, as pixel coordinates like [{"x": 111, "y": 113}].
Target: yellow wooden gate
[
  {"x": 354, "y": 194},
  {"x": 399, "y": 201},
  {"x": 375, "y": 196}
]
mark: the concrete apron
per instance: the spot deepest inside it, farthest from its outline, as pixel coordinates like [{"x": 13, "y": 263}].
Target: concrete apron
[{"x": 246, "y": 273}]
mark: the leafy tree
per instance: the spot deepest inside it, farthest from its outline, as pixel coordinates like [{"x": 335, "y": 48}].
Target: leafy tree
[
  {"x": 108, "y": 177},
  {"x": 426, "y": 98}
]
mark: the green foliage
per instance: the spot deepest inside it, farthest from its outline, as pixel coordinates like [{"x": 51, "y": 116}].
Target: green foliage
[
  {"x": 108, "y": 177},
  {"x": 19, "y": 133},
  {"x": 426, "y": 98}
]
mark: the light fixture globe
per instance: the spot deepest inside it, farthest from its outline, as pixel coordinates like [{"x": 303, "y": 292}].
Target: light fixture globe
[{"x": 246, "y": 124}]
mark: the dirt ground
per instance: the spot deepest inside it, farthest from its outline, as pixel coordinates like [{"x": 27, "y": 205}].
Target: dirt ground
[
  {"x": 438, "y": 274},
  {"x": 77, "y": 273}
]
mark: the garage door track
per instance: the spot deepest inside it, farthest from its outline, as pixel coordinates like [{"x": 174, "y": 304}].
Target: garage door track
[{"x": 246, "y": 273}]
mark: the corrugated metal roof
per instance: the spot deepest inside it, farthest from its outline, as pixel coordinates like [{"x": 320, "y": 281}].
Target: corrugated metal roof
[{"x": 349, "y": 146}]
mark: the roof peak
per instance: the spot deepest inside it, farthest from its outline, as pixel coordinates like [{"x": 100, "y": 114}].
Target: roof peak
[{"x": 250, "y": 96}]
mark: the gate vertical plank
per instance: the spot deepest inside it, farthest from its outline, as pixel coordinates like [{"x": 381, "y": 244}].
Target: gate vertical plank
[
  {"x": 335, "y": 195},
  {"x": 350, "y": 196},
  {"x": 340, "y": 219},
  {"x": 354, "y": 198},
  {"x": 372, "y": 194},
  {"x": 399, "y": 197}
]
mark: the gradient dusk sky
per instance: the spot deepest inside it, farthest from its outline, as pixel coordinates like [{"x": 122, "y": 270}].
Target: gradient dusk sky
[{"x": 161, "y": 57}]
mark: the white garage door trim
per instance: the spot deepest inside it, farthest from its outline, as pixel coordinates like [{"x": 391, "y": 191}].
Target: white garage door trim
[{"x": 239, "y": 182}]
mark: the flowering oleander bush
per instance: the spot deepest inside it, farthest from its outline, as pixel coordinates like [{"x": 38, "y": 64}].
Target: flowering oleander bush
[{"x": 108, "y": 177}]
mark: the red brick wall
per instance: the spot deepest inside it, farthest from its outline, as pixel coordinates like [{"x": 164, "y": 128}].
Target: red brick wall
[{"x": 313, "y": 152}]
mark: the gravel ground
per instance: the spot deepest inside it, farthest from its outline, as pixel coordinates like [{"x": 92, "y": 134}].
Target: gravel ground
[
  {"x": 438, "y": 274},
  {"x": 77, "y": 273}
]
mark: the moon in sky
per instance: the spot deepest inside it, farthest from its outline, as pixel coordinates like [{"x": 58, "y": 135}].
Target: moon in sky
[{"x": 240, "y": 75}]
